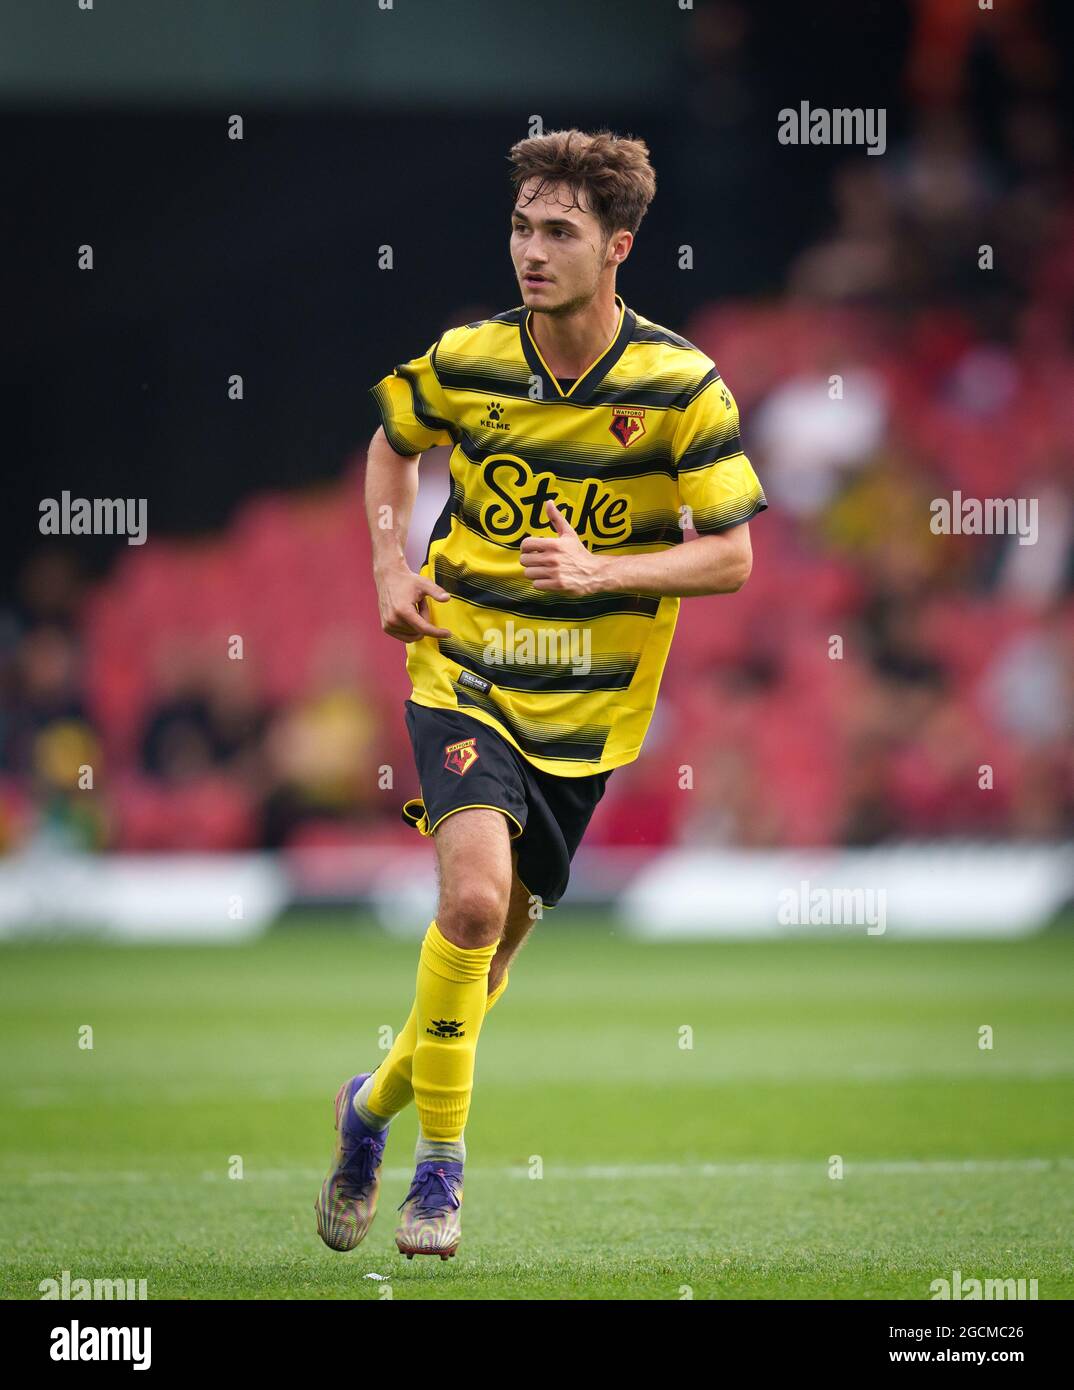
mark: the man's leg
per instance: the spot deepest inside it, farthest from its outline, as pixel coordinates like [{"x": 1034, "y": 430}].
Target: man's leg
[
  {"x": 517, "y": 927},
  {"x": 474, "y": 857},
  {"x": 392, "y": 1083},
  {"x": 390, "y": 1088},
  {"x": 453, "y": 990}
]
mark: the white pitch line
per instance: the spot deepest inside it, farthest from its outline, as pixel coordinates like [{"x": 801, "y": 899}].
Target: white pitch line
[
  {"x": 84, "y": 1095},
  {"x": 617, "y": 1172},
  {"x": 639, "y": 1172}
]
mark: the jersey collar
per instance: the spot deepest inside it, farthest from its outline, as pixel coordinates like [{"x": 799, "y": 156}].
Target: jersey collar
[{"x": 591, "y": 378}]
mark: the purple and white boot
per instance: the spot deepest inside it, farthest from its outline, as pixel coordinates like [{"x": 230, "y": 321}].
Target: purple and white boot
[
  {"x": 432, "y": 1211},
  {"x": 348, "y": 1198}
]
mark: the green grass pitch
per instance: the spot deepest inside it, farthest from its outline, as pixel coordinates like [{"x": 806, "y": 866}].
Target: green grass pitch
[{"x": 666, "y": 1171}]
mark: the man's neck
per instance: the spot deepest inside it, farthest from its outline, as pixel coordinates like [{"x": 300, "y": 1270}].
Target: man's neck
[{"x": 571, "y": 343}]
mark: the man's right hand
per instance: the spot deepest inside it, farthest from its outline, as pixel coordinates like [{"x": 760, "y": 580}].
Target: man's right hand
[{"x": 403, "y": 599}]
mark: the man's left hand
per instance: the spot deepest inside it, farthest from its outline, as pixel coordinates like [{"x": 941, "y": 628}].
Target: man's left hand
[{"x": 561, "y": 562}]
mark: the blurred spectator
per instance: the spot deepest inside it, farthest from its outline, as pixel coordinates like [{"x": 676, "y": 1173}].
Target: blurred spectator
[
  {"x": 860, "y": 261},
  {"x": 812, "y": 431},
  {"x": 321, "y": 753},
  {"x": 209, "y": 716},
  {"x": 45, "y": 690},
  {"x": 1027, "y": 689}
]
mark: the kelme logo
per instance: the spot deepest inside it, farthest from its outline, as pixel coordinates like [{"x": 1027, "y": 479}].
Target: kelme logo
[
  {"x": 446, "y": 1027},
  {"x": 494, "y": 417}
]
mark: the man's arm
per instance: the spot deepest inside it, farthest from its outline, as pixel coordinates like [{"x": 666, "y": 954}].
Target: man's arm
[
  {"x": 391, "y": 486},
  {"x": 717, "y": 564}
]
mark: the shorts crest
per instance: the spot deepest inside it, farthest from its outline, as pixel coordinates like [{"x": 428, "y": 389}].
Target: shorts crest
[{"x": 460, "y": 757}]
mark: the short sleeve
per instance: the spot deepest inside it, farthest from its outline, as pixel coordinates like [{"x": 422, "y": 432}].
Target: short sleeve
[
  {"x": 716, "y": 479},
  {"x": 414, "y": 409}
]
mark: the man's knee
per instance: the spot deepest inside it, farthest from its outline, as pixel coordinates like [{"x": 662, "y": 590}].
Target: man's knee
[
  {"x": 473, "y": 909},
  {"x": 474, "y": 854}
]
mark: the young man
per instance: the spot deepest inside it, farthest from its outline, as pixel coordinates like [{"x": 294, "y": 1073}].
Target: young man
[{"x": 585, "y": 438}]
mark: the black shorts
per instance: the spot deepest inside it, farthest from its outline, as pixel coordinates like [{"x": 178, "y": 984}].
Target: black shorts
[{"x": 463, "y": 763}]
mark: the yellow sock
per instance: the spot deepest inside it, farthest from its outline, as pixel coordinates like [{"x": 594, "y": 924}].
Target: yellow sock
[
  {"x": 393, "y": 1088},
  {"x": 451, "y": 996},
  {"x": 496, "y": 994}
]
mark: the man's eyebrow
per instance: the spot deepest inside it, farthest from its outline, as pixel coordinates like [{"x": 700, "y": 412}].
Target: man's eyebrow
[{"x": 546, "y": 221}]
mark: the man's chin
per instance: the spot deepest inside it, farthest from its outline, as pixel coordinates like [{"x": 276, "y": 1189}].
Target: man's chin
[
  {"x": 542, "y": 301},
  {"x": 538, "y": 296}
]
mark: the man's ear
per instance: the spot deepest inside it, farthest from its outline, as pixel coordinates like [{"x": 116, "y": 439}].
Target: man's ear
[{"x": 629, "y": 239}]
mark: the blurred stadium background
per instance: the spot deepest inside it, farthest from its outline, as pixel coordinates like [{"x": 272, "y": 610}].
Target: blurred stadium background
[
  {"x": 260, "y": 257},
  {"x": 229, "y": 794}
]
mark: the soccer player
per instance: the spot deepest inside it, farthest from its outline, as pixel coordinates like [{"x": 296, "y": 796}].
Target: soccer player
[{"x": 585, "y": 440}]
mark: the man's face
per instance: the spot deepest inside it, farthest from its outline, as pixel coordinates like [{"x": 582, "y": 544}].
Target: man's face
[{"x": 559, "y": 251}]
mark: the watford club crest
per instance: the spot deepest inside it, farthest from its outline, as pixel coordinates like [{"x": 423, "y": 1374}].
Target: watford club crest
[
  {"x": 627, "y": 425},
  {"x": 461, "y": 756}
]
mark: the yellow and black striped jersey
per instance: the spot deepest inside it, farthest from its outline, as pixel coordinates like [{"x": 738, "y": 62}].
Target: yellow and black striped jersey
[{"x": 643, "y": 444}]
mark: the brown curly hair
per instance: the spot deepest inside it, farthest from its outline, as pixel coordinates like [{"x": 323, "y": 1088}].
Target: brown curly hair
[{"x": 613, "y": 170}]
